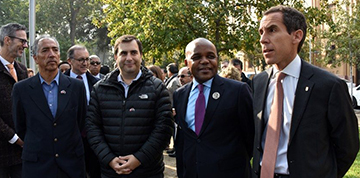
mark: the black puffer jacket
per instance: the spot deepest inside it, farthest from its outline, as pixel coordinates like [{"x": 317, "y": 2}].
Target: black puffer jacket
[{"x": 140, "y": 124}]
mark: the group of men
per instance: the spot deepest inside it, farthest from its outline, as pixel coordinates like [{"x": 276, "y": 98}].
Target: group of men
[{"x": 295, "y": 121}]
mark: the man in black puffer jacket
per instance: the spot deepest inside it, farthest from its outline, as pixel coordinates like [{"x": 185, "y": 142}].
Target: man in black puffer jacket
[{"x": 129, "y": 120}]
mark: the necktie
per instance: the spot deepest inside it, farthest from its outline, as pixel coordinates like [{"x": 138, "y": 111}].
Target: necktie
[
  {"x": 79, "y": 77},
  {"x": 273, "y": 130},
  {"x": 199, "y": 109},
  {"x": 12, "y": 71}
]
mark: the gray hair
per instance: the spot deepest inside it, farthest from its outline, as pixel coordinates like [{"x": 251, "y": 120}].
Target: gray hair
[
  {"x": 71, "y": 50},
  {"x": 9, "y": 30},
  {"x": 94, "y": 56},
  {"x": 35, "y": 46}
]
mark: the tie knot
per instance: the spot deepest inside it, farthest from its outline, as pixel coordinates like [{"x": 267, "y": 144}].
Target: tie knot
[
  {"x": 79, "y": 77},
  {"x": 10, "y": 66},
  {"x": 280, "y": 76},
  {"x": 201, "y": 88}
]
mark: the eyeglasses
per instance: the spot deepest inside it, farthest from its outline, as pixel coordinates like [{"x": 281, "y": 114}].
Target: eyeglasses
[
  {"x": 95, "y": 62},
  {"x": 81, "y": 60},
  {"x": 23, "y": 41},
  {"x": 182, "y": 75}
]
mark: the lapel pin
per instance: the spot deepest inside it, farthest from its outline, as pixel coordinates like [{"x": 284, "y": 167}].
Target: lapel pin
[
  {"x": 132, "y": 109},
  {"x": 307, "y": 88},
  {"x": 216, "y": 95},
  {"x": 63, "y": 92},
  {"x": 143, "y": 96}
]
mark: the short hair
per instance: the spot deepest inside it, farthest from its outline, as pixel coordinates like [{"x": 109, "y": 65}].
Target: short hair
[
  {"x": 235, "y": 62},
  {"x": 64, "y": 62},
  {"x": 104, "y": 70},
  {"x": 173, "y": 68},
  {"x": 72, "y": 49},
  {"x": 292, "y": 19},
  {"x": 157, "y": 71},
  {"x": 30, "y": 70},
  {"x": 231, "y": 72},
  {"x": 127, "y": 39},
  {"x": 35, "y": 46},
  {"x": 9, "y": 30},
  {"x": 94, "y": 56}
]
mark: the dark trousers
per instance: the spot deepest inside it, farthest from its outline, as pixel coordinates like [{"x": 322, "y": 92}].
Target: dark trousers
[
  {"x": 11, "y": 171},
  {"x": 92, "y": 163}
]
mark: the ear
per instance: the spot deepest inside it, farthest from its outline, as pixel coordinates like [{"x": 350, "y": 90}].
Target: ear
[
  {"x": 7, "y": 40},
  {"x": 298, "y": 35},
  {"x": 35, "y": 59},
  {"x": 69, "y": 61}
]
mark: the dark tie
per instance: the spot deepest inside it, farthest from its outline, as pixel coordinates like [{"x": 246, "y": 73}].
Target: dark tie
[
  {"x": 12, "y": 71},
  {"x": 199, "y": 109},
  {"x": 79, "y": 77},
  {"x": 273, "y": 130}
]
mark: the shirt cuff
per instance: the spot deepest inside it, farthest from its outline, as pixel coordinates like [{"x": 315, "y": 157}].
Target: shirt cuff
[{"x": 14, "y": 139}]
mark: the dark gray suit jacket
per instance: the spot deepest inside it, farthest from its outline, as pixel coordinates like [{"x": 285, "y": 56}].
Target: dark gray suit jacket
[
  {"x": 50, "y": 143},
  {"x": 324, "y": 130},
  {"x": 10, "y": 154},
  {"x": 224, "y": 146}
]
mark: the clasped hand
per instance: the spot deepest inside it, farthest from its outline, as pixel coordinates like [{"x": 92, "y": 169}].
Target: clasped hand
[{"x": 124, "y": 164}]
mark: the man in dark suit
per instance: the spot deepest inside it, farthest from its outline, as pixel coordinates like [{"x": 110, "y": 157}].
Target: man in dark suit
[
  {"x": 13, "y": 42},
  {"x": 49, "y": 111},
  {"x": 318, "y": 128},
  {"x": 78, "y": 57},
  {"x": 222, "y": 145},
  {"x": 95, "y": 66}
]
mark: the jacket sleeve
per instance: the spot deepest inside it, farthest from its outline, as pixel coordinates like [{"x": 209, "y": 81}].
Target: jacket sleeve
[
  {"x": 163, "y": 128},
  {"x": 344, "y": 133},
  {"x": 95, "y": 135},
  {"x": 18, "y": 112}
]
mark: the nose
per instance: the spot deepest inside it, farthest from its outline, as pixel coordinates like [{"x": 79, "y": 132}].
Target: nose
[
  {"x": 263, "y": 38},
  {"x": 25, "y": 45}
]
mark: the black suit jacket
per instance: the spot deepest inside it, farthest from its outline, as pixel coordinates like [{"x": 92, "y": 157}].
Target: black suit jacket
[
  {"x": 324, "y": 131},
  {"x": 224, "y": 145},
  {"x": 10, "y": 154},
  {"x": 50, "y": 143},
  {"x": 90, "y": 78}
]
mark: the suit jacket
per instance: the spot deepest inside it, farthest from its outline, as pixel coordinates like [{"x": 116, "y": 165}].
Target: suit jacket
[
  {"x": 50, "y": 143},
  {"x": 224, "y": 145},
  {"x": 324, "y": 131},
  {"x": 10, "y": 154},
  {"x": 90, "y": 78}
]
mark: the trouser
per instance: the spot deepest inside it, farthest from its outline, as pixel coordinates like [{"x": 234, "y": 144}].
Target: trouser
[{"x": 13, "y": 171}]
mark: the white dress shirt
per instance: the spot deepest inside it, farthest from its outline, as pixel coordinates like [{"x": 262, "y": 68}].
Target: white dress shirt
[
  {"x": 289, "y": 83},
  {"x": 84, "y": 79}
]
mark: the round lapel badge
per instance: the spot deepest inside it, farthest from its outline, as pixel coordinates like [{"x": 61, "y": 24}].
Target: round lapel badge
[{"x": 216, "y": 95}]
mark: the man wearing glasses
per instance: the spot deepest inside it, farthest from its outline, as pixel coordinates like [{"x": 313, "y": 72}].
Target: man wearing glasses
[
  {"x": 13, "y": 42},
  {"x": 95, "y": 66},
  {"x": 78, "y": 57}
]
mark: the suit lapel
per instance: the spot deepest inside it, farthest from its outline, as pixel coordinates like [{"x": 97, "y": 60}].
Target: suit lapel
[
  {"x": 303, "y": 91},
  {"x": 37, "y": 95},
  {"x": 21, "y": 74},
  {"x": 214, "y": 98},
  {"x": 3, "y": 69},
  {"x": 64, "y": 94},
  {"x": 183, "y": 100}
]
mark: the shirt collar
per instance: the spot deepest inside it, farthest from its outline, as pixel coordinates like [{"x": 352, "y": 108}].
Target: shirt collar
[
  {"x": 207, "y": 83},
  {"x": 73, "y": 75},
  {"x": 293, "y": 69},
  {"x": 136, "y": 78},
  {"x": 4, "y": 61},
  {"x": 56, "y": 79}
]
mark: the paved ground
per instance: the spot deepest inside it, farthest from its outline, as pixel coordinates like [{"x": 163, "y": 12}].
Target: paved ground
[{"x": 170, "y": 163}]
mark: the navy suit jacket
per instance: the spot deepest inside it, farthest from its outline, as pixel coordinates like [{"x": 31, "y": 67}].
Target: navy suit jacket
[
  {"x": 50, "y": 143},
  {"x": 224, "y": 145},
  {"x": 324, "y": 137}
]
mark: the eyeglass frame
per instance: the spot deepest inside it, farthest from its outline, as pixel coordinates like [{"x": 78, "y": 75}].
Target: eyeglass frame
[
  {"x": 23, "y": 41},
  {"x": 183, "y": 75},
  {"x": 82, "y": 60},
  {"x": 95, "y": 62}
]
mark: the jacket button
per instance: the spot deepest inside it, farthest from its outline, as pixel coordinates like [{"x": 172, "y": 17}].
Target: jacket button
[
  {"x": 56, "y": 155},
  {"x": 291, "y": 161},
  {"x": 55, "y": 139},
  {"x": 55, "y": 124},
  {"x": 258, "y": 148}
]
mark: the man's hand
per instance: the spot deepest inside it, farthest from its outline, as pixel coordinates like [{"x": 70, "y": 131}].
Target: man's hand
[
  {"x": 19, "y": 142},
  {"x": 131, "y": 163},
  {"x": 116, "y": 165}
]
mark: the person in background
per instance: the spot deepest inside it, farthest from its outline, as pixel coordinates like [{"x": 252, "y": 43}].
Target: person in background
[
  {"x": 64, "y": 66},
  {"x": 95, "y": 66},
  {"x": 172, "y": 83},
  {"x": 216, "y": 133},
  {"x": 78, "y": 57},
  {"x": 304, "y": 123},
  {"x": 156, "y": 70},
  {"x": 224, "y": 64},
  {"x": 231, "y": 72},
  {"x": 239, "y": 65},
  {"x": 13, "y": 41},
  {"x": 185, "y": 76},
  {"x": 104, "y": 70},
  {"x": 129, "y": 120},
  {"x": 30, "y": 72},
  {"x": 49, "y": 111}
]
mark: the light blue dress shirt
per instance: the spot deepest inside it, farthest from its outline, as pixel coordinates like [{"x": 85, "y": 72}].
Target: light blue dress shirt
[
  {"x": 190, "y": 111},
  {"x": 126, "y": 87},
  {"x": 51, "y": 93}
]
